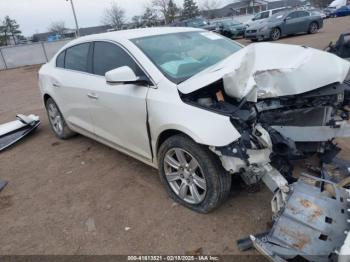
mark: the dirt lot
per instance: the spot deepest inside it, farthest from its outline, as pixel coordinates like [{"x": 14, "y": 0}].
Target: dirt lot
[{"x": 80, "y": 197}]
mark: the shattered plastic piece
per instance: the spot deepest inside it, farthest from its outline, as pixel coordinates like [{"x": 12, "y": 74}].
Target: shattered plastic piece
[{"x": 12, "y": 132}]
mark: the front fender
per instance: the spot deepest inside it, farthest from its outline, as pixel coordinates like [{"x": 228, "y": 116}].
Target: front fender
[{"x": 204, "y": 127}]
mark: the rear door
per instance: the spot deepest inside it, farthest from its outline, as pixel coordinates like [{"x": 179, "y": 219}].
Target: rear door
[
  {"x": 304, "y": 21},
  {"x": 118, "y": 110},
  {"x": 294, "y": 23},
  {"x": 70, "y": 86}
]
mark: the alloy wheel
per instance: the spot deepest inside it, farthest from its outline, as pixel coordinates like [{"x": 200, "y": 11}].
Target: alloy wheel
[
  {"x": 313, "y": 28},
  {"x": 55, "y": 118},
  {"x": 275, "y": 35},
  {"x": 185, "y": 176}
]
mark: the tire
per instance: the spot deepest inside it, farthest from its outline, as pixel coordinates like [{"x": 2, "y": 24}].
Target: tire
[
  {"x": 57, "y": 122},
  {"x": 211, "y": 181},
  {"x": 275, "y": 34},
  {"x": 313, "y": 28}
]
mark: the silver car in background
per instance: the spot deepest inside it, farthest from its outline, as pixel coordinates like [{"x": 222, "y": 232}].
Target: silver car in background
[{"x": 285, "y": 23}]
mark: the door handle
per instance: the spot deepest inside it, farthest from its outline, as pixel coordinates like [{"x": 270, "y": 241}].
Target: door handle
[
  {"x": 92, "y": 96},
  {"x": 56, "y": 85}
]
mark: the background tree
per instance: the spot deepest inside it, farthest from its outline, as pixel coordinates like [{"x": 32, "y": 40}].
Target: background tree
[
  {"x": 57, "y": 27},
  {"x": 149, "y": 18},
  {"x": 162, "y": 7},
  {"x": 3, "y": 39},
  {"x": 114, "y": 16},
  {"x": 208, "y": 7},
  {"x": 137, "y": 21},
  {"x": 190, "y": 9},
  {"x": 172, "y": 12},
  {"x": 9, "y": 28}
]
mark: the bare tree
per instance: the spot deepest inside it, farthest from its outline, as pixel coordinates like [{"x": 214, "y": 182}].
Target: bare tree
[
  {"x": 137, "y": 21},
  {"x": 57, "y": 27},
  {"x": 149, "y": 17},
  {"x": 162, "y": 6},
  {"x": 173, "y": 11},
  {"x": 114, "y": 16}
]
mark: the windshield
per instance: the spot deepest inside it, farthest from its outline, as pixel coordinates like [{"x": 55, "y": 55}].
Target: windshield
[{"x": 181, "y": 55}]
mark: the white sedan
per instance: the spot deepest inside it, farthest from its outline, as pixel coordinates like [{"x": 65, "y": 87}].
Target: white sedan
[{"x": 198, "y": 106}]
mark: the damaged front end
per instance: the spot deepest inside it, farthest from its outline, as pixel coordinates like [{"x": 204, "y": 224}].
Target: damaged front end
[{"x": 276, "y": 127}]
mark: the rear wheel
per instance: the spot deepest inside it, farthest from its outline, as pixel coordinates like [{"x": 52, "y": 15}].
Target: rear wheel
[
  {"x": 57, "y": 122},
  {"x": 313, "y": 28},
  {"x": 192, "y": 175},
  {"x": 275, "y": 34}
]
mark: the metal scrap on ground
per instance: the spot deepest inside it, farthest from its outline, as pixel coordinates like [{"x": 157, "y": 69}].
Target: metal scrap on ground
[{"x": 14, "y": 131}]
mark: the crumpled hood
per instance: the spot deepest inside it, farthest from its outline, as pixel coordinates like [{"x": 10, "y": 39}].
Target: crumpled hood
[{"x": 268, "y": 70}]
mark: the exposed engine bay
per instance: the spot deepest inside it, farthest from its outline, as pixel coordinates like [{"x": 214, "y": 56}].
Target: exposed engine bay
[
  {"x": 274, "y": 131},
  {"x": 287, "y": 128}
]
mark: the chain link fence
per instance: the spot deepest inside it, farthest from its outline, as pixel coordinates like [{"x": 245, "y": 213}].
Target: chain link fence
[{"x": 30, "y": 54}]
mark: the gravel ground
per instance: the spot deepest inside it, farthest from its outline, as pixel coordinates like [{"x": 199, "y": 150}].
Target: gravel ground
[{"x": 81, "y": 197}]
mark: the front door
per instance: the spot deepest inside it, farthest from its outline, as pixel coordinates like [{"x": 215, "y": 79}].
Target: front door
[{"x": 118, "y": 111}]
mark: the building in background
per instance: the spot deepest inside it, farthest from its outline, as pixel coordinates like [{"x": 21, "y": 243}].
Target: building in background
[
  {"x": 245, "y": 7},
  {"x": 70, "y": 33}
]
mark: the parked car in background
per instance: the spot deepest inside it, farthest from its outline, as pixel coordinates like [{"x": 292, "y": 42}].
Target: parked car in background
[
  {"x": 195, "y": 23},
  {"x": 262, "y": 16},
  {"x": 318, "y": 12},
  {"x": 342, "y": 11},
  {"x": 285, "y": 23},
  {"x": 327, "y": 11},
  {"x": 230, "y": 28}
]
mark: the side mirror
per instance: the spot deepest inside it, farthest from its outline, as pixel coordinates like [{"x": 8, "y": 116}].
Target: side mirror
[
  {"x": 125, "y": 75},
  {"x": 122, "y": 74}
]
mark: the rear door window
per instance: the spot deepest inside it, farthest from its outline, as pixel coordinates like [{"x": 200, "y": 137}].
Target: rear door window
[
  {"x": 303, "y": 14},
  {"x": 60, "y": 59},
  {"x": 77, "y": 57}
]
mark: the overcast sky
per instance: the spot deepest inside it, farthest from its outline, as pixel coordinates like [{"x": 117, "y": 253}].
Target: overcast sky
[{"x": 35, "y": 16}]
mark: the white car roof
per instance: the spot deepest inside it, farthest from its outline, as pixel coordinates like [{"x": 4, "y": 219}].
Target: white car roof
[{"x": 135, "y": 33}]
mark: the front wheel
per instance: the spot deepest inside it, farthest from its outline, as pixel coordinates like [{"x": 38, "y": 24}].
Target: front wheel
[
  {"x": 192, "y": 175},
  {"x": 275, "y": 34}
]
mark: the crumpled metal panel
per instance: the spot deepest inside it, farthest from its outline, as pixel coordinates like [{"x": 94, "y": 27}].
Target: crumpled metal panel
[
  {"x": 312, "y": 224},
  {"x": 267, "y": 70}
]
